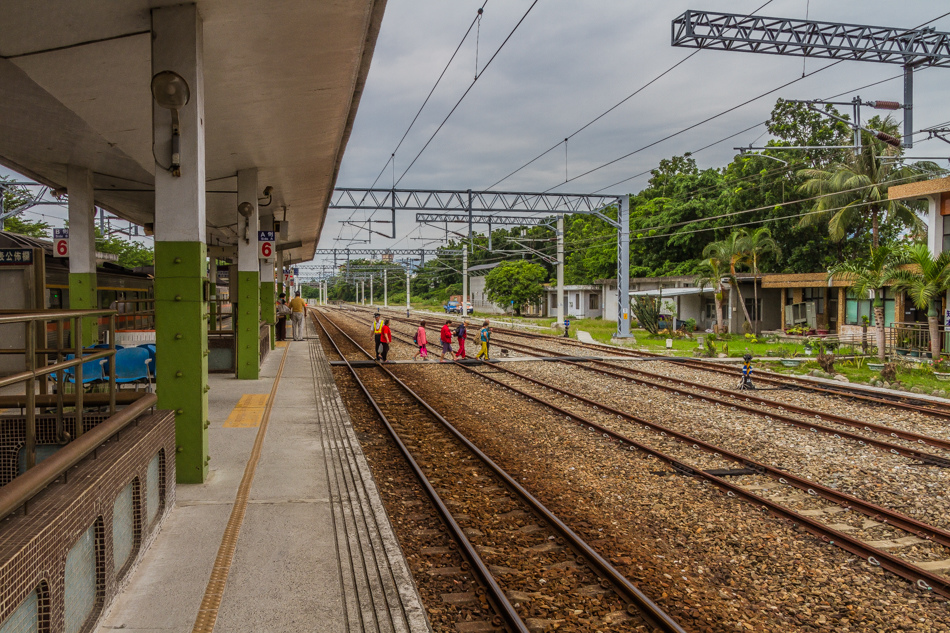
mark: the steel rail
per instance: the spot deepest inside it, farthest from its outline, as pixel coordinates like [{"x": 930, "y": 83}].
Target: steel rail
[
  {"x": 898, "y": 400},
  {"x": 876, "y": 512},
  {"x": 897, "y": 449},
  {"x": 645, "y": 607},
  {"x": 502, "y": 605},
  {"x": 923, "y": 578},
  {"x": 831, "y": 417},
  {"x": 26, "y": 486}
]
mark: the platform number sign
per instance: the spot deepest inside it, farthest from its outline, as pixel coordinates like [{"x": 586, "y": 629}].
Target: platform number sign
[
  {"x": 265, "y": 242},
  {"x": 60, "y": 242}
]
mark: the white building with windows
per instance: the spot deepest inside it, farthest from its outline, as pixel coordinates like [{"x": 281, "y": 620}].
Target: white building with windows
[{"x": 580, "y": 302}]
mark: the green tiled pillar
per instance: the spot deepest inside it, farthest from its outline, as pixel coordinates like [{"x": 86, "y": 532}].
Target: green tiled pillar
[
  {"x": 181, "y": 334},
  {"x": 82, "y": 296},
  {"x": 247, "y": 335},
  {"x": 269, "y": 307}
]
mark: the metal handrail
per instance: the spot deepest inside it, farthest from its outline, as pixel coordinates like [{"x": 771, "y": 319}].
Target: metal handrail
[
  {"x": 26, "y": 486},
  {"x": 37, "y": 369}
]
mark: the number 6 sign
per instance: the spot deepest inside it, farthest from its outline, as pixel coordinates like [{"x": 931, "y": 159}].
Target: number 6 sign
[
  {"x": 266, "y": 244},
  {"x": 60, "y": 242}
]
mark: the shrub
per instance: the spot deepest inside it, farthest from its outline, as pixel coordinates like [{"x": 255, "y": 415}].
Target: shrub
[
  {"x": 827, "y": 362},
  {"x": 690, "y": 325},
  {"x": 889, "y": 373}
]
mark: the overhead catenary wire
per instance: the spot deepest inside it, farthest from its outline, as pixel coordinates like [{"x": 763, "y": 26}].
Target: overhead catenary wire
[
  {"x": 392, "y": 157},
  {"x": 607, "y": 111},
  {"x": 467, "y": 90}
]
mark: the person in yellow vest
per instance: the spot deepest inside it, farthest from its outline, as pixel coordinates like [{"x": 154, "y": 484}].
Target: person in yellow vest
[
  {"x": 297, "y": 307},
  {"x": 377, "y": 333}
]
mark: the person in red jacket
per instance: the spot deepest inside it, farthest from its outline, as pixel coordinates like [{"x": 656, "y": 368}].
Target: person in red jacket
[
  {"x": 445, "y": 336},
  {"x": 385, "y": 338}
]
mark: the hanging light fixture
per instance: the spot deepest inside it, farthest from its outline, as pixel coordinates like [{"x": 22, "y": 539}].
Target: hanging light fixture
[{"x": 170, "y": 91}]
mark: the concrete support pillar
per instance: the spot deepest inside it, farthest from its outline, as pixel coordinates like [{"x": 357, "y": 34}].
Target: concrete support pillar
[
  {"x": 935, "y": 225},
  {"x": 407, "y": 291},
  {"x": 464, "y": 281},
  {"x": 82, "y": 248},
  {"x": 385, "y": 289},
  {"x": 560, "y": 270},
  {"x": 623, "y": 268},
  {"x": 180, "y": 234},
  {"x": 247, "y": 332},
  {"x": 269, "y": 287},
  {"x": 371, "y": 289}
]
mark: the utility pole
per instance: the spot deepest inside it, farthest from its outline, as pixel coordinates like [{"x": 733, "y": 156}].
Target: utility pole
[
  {"x": 371, "y": 288},
  {"x": 465, "y": 257},
  {"x": 407, "y": 290},
  {"x": 560, "y": 270},
  {"x": 385, "y": 288}
]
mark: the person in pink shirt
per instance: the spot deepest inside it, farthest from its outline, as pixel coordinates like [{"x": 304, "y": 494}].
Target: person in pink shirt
[
  {"x": 420, "y": 339},
  {"x": 445, "y": 336}
]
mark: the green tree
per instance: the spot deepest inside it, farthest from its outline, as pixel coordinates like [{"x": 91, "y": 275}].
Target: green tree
[
  {"x": 854, "y": 191},
  {"x": 758, "y": 243},
  {"x": 925, "y": 285},
  {"x": 515, "y": 283},
  {"x": 711, "y": 272},
  {"x": 869, "y": 277},
  {"x": 728, "y": 255},
  {"x": 30, "y": 228},
  {"x": 131, "y": 253}
]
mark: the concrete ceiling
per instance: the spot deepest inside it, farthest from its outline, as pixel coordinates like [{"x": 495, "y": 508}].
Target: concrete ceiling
[{"x": 283, "y": 80}]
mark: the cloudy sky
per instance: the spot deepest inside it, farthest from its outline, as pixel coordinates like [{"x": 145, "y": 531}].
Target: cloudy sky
[{"x": 566, "y": 64}]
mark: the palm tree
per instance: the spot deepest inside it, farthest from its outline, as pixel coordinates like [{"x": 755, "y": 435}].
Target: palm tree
[
  {"x": 856, "y": 189},
  {"x": 728, "y": 254},
  {"x": 869, "y": 278},
  {"x": 711, "y": 275},
  {"x": 758, "y": 243},
  {"x": 925, "y": 286}
]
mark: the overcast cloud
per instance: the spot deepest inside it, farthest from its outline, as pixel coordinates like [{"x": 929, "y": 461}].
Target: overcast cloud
[{"x": 567, "y": 63}]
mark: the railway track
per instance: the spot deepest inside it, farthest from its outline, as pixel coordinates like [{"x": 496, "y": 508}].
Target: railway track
[
  {"x": 738, "y": 401},
  {"x": 533, "y": 568},
  {"x": 761, "y": 484}
]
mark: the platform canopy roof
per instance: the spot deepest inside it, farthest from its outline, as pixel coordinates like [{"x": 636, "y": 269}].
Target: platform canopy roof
[{"x": 282, "y": 79}]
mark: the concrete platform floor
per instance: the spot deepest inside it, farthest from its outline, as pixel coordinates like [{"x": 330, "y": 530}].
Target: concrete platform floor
[{"x": 315, "y": 551}]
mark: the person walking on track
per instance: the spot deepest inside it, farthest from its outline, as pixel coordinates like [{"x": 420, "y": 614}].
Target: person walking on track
[
  {"x": 385, "y": 338},
  {"x": 283, "y": 311},
  {"x": 461, "y": 332},
  {"x": 377, "y": 332},
  {"x": 420, "y": 340},
  {"x": 485, "y": 338},
  {"x": 297, "y": 307},
  {"x": 445, "y": 336}
]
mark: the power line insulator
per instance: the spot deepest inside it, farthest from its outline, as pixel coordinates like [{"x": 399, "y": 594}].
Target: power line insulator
[
  {"x": 887, "y": 138},
  {"x": 885, "y": 105}
]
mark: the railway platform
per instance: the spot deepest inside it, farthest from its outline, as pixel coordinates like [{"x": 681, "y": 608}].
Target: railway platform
[{"x": 288, "y": 533}]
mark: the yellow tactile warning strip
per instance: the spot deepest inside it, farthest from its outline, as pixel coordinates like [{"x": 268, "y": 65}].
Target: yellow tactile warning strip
[
  {"x": 280, "y": 344},
  {"x": 214, "y": 592},
  {"x": 248, "y": 412}
]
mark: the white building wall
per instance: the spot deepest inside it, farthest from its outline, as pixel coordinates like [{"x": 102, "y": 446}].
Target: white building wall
[{"x": 480, "y": 302}]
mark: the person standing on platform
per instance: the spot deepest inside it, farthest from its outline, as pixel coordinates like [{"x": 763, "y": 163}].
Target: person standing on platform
[
  {"x": 461, "y": 332},
  {"x": 485, "y": 337},
  {"x": 385, "y": 338},
  {"x": 283, "y": 311},
  {"x": 420, "y": 340},
  {"x": 377, "y": 332},
  {"x": 297, "y": 307}
]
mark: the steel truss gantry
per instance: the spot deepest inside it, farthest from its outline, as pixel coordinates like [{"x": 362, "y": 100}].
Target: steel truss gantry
[
  {"x": 469, "y": 202},
  {"x": 910, "y": 48}
]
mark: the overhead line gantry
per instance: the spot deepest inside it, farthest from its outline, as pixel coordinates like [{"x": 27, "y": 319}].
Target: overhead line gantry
[
  {"x": 910, "y": 48},
  {"x": 468, "y": 201}
]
